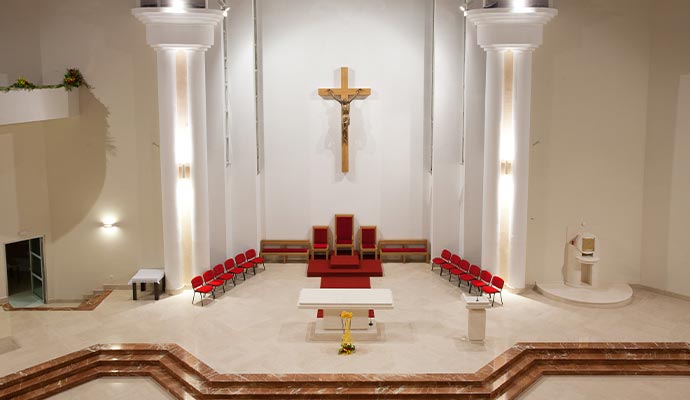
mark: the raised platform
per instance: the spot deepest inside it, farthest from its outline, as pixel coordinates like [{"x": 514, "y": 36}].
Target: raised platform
[
  {"x": 610, "y": 295},
  {"x": 344, "y": 261},
  {"x": 317, "y": 268}
]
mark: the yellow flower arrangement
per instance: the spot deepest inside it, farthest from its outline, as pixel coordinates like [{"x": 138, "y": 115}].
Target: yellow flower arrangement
[{"x": 346, "y": 346}]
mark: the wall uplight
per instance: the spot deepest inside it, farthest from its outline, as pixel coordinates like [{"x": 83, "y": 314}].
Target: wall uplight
[
  {"x": 506, "y": 167},
  {"x": 184, "y": 171}
]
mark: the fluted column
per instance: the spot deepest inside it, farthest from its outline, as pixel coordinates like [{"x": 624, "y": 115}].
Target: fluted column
[
  {"x": 196, "y": 84},
  {"x": 493, "y": 104},
  {"x": 167, "y": 110},
  {"x": 519, "y": 30}
]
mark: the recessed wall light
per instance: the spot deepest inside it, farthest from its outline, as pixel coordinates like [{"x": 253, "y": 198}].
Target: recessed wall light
[{"x": 108, "y": 222}]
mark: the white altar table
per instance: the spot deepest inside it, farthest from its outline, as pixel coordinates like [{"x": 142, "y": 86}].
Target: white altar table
[{"x": 334, "y": 301}]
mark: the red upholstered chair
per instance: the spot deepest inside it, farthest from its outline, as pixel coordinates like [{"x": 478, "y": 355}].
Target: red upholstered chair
[
  {"x": 451, "y": 265},
  {"x": 219, "y": 272},
  {"x": 345, "y": 232},
  {"x": 444, "y": 258},
  {"x": 455, "y": 262},
  {"x": 210, "y": 279},
  {"x": 241, "y": 261},
  {"x": 463, "y": 268},
  {"x": 199, "y": 287},
  {"x": 230, "y": 267},
  {"x": 495, "y": 287},
  {"x": 251, "y": 257},
  {"x": 320, "y": 242},
  {"x": 473, "y": 274},
  {"x": 367, "y": 241},
  {"x": 484, "y": 279}
]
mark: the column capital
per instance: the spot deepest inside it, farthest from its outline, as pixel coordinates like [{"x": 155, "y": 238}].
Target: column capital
[
  {"x": 510, "y": 28},
  {"x": 169, "y": 28}
]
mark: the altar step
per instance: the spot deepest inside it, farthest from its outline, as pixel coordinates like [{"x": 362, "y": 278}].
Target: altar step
[
  {"x": 609, "y": 295},
  {"x": 366, "y": 268}
]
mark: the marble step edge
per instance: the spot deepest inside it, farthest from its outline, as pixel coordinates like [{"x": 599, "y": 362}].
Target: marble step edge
[
  {"x": 183, "y": 375},
  {"x": 58, "y": 374},
  {"x": 88, "y": 304}
]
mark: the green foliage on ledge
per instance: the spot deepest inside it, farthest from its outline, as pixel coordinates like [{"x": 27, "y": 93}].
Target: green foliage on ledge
[{"x": 73, "y": 79}]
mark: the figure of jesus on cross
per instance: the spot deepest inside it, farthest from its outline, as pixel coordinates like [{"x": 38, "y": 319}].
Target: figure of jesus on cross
[{"x": 345, "y": 95}]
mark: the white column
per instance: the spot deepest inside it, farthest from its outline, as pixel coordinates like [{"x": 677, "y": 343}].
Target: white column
[
  {"x": 168, "y": 31},
  {"x": 196, "y": 86},
  {"x": 167, "y": 109},
  {"x": 493, "y": 104},
  {"x": 519, "y": 29},
  {"x": 522, "y": 91}
]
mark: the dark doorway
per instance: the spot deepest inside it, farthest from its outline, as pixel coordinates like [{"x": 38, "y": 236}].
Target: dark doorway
[{"x": 25, "y": 286}]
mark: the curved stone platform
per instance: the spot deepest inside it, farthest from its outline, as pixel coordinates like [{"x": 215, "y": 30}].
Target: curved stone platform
[
  {"x": 184, "y": 376},
  {"x": 611, "y": 295}
]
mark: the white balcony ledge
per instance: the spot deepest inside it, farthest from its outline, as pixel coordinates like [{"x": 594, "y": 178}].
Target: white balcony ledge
[{"x": 19, "y": 106}]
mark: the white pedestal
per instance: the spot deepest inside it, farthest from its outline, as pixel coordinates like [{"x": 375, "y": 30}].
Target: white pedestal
[
  {"x": 476, "y": 316},
  {"x": 581, "y": 271}
]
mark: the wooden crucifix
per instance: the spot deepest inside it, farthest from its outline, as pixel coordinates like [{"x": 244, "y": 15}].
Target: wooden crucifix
[{"x": 344, "y": 95}]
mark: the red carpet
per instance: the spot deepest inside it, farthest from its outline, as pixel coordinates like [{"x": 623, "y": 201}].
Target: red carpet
[
  {"x": 366, "y": 268},
  {"x": 345, "y": 261},
  {"x": 345, "y": 282}
]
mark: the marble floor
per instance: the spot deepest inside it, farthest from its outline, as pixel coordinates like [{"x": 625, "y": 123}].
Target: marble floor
[
  {"x": 256, "y": 327},
  {"x": 609, "y": 388}
]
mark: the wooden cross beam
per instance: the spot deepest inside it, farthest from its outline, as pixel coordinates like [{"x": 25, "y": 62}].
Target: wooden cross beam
[{"x": 344, "y": 95}]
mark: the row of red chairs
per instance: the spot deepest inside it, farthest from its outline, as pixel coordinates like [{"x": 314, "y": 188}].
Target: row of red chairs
[
  {"x": 475, "y": 277},
  {"x": 217, "y": 276}
]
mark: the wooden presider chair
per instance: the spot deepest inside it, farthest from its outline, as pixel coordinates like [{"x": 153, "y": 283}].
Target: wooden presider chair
[
  {"x": 345, "y": 232},
  {"x": 319, "y": 243},
  {"x": 367, "y": 241}
]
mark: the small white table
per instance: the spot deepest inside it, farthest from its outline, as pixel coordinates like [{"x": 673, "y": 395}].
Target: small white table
[
  {"x": 334, "y": 301},
  {"x": 144, "y": 276},
  {"x": 476, "y": 316}
]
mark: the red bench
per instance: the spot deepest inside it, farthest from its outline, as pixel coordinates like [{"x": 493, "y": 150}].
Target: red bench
[
  {"x": 285, "y": 249},
  {"x": 404, "y": 248}
]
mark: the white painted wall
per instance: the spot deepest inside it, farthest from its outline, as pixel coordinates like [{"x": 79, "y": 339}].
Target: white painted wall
[
  {"x": 304, "y": 43},
  {"x": 604, "y": 110},
  {"x": 71, "y": 173},
  {"x": 473, "y": 172},
  {"x": 9, "y": 214},
  {"x": 20, "y": 44},
  {"x": 589, "y": 103},
  {"x": 241, "y": 174},
  {"x": 448, "y": 173},
  {"x": 215, "y": 137},
  {"x": 665, "y": 237}
]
